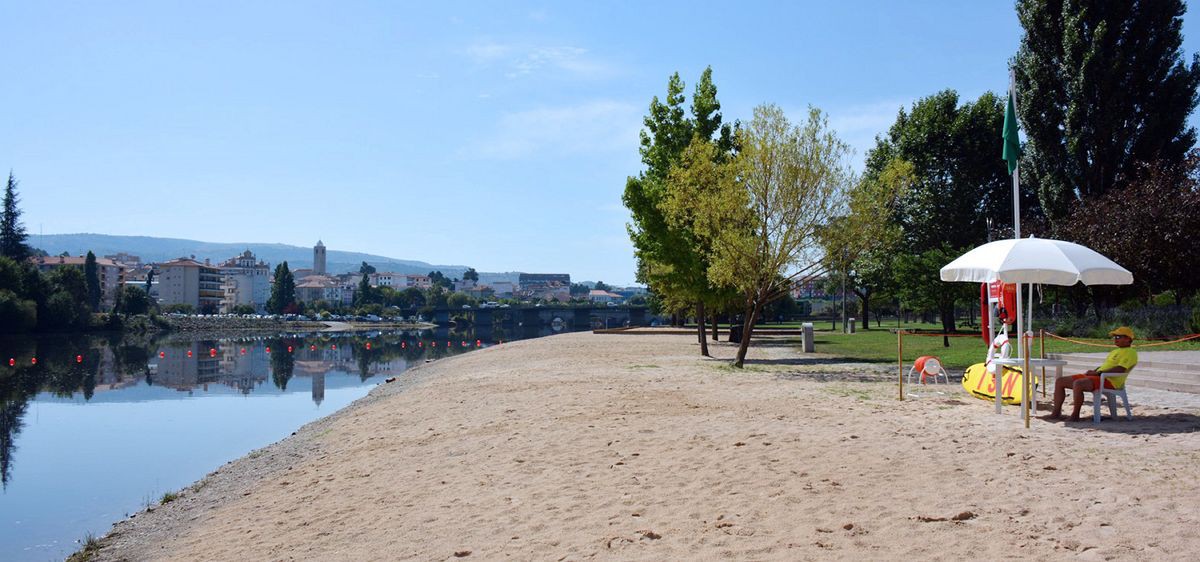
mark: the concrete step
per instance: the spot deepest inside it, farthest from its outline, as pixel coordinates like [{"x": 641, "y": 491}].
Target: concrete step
[{"x": 1162, "y": 375}]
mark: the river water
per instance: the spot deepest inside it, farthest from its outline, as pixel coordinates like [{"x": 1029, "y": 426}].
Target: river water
[{"x": 95, "y": 428}]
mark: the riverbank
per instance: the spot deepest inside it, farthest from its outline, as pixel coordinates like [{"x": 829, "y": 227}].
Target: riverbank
[{"x": 633, "y": 447}]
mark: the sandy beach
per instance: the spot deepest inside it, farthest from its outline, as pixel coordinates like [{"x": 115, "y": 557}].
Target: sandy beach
[{"x": 619, "y": 447}]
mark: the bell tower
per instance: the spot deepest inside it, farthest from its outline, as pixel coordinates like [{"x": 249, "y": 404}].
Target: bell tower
[{"x": 319, "y": 259}]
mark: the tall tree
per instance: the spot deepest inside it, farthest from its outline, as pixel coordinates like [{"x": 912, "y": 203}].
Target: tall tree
[
  {"x": 283, "y": 290},
  {"x": 959, "y": 182},
  {"x": 366, "y": 269},
  {"x": 12, "y": 232},
  {"x": 471, "y": 275},
  {"x": 790, "y": 181},
  {"x": 1101, "y": 86},
  {"x": 861, "y": 245},
  {"x": 91, "y": 274},
  {"x": 667, "y": 257}
]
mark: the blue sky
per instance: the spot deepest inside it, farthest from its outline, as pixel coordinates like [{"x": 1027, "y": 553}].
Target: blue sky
[{"x": 491, "y": 134}]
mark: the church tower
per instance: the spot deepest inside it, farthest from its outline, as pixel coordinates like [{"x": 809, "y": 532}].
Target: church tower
[{"x": 319, "y": 259}]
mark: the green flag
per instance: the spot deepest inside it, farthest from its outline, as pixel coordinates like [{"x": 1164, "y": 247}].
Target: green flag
[{"x": 1012, "y": 145}]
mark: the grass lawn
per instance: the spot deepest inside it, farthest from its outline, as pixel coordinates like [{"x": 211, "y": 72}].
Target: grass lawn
[{"x": 880, "y": 345}]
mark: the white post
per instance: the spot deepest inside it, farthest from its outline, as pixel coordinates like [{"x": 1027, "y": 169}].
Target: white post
[{"x": 1016, "y": 191}]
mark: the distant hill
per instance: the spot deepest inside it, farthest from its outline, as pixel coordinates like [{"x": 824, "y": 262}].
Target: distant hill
[{"x": 151, "y": 249}]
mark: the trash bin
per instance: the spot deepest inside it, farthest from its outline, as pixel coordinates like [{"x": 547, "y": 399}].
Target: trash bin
[
  {"x": 735, "y": 333},
  {"x": 808, "y": 337}
]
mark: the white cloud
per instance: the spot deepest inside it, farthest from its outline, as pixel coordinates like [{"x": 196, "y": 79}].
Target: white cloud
[
  {"x": 523, "y": 60},
  {"x": 859, "y": 124},
  {"x": 596, "y": 126}
]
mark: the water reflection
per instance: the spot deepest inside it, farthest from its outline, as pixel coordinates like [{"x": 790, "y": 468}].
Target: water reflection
[{"x": 155, "y": 413}]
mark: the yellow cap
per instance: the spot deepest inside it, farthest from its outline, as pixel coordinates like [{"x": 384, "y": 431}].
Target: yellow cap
[{"x": 1123, "y": 331}]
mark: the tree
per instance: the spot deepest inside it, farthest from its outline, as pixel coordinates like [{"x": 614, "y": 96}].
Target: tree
[
  {"x": 1154, "y": 238},
  {"x": 861, "y": 245},
  {"x": 366, "y": 269},
  {"x": 471, "y": 275},
  {"x": 457, "y": 300},
  {"x": 283, "y": 290},
  {"x": 667, "y": 258},
  {"x": 437, "y": 279},
  {"x": 12, "y": 232},
  {"x": 131, "y": 299},
  {"x": 1102, "y": 87},
  {"x": 790, "y": 181},
  {"x": 149, "y": 280},
  {"x": 91, "y": 275},
  {"x": 67, "y": 304},
  {"x": 365, "y": 294},
  {"x": 958, "y": 182}
]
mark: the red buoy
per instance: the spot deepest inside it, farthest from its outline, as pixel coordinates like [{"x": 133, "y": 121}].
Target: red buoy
[
  {"x": 368, "y": 345},
  {"x": 212, "y": 352},
  {"x": 162, "y": 354},
  {"x": 334, "y": 346},
  {"x": 289, "y": 349},
  {"x": 79, "y": 359},
  {"x": 268, "y": 349},
  {"x": 189, "y": 353},
  {"x": 33, "y": 360},
  {"x": 12, "y": 362}
]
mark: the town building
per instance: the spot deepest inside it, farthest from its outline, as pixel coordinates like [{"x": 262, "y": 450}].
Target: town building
[
  {"x": 128, "y": 260},
  {"x": 324, "y": 288},
  {"x": 813, "y": 288},
  {"x": 503, "y": 289},
  {"x": 187, "y": 281},
  {"x": 318, "y": 267},
  {"x": 601, "y": 297},
  {"x": 245, "y": 281},
  {"x": 112, "y": 274},
  {"x": 545, "y": 286}
]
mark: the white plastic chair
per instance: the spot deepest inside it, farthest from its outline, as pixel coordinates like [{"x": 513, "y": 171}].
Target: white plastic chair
[
  {"x": 931, "y": 367},
  {"x": 1112, "y": 398}
]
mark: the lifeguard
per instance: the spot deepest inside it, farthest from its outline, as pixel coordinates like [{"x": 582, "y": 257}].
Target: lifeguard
[{"x": 1120, "y": 360}]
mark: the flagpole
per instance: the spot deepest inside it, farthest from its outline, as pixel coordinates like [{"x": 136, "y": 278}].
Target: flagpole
[{"x": 1016, "y": 192}]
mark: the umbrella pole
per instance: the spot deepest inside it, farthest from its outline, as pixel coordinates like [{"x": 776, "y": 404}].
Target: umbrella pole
[
  {"x": 900, "y": 360},
  {"x": 1020, "y": 347}
]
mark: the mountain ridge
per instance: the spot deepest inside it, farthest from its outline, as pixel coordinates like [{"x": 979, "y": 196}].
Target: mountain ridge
[{"x": 157, "y": 249}]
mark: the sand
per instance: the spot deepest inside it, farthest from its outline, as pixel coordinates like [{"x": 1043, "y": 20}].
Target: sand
[{"x": 619, "y": 447}]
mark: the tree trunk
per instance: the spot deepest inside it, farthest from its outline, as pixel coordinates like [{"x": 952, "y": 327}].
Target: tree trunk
[
  {"x": 700, "y": 323},
  {"x": 864, "y": 300},
  {"x": 947, "y": 324},
  {"x": 747, "y": 327},
  {"x": 714, "y": 317}
]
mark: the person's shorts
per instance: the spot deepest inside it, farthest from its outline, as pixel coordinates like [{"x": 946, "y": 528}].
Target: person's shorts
[{"x": 1095, "y": 381}]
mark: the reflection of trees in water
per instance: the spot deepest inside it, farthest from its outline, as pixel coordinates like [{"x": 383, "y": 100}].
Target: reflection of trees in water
[
  {"x": 10, "y": 425},
  {"x": 283, "y": 363}
]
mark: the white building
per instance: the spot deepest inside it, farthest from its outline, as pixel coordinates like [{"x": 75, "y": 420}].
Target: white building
[{"x": 245, "y": 281}]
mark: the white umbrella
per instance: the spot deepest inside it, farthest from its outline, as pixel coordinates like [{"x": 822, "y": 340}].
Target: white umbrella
[{"x": 1036, "y": 260}]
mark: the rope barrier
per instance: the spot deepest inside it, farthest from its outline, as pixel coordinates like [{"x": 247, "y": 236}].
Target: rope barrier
[{"x": 1139, "y": 346}]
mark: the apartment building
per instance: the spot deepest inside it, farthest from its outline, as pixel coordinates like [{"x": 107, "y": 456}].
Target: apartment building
[
  {"x": 112, "y": 274},
  {"x": 245, "y": 280},
  {"x": 187, "y": 281}
]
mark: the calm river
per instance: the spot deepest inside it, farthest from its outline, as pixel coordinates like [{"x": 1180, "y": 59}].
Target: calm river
[{"x": 95, "y": 428}]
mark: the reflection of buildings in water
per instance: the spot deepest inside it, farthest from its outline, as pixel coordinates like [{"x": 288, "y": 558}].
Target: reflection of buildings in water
[
  {"x": 243, "y": 371},
  {"x": 177, "y": 370},
  {"x": 318, "y": 387},
  {"x": 229, "y": 367}
]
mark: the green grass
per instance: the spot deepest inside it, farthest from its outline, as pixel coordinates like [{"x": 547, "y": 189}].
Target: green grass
[
  {"x": 91, "y": 546},
  {"x": 168, "y": 498},
  {"x": 880, "y": 346}
]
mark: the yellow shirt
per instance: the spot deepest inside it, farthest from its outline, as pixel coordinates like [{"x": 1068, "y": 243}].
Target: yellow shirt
[{"x": 1119, "y": 357}]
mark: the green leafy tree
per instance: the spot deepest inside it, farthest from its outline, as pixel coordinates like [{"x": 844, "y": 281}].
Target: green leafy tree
[
  {"x": 12, "y": 232},
  {"x": 667, "y": 256},
  {"x": 437, "y": 279},
  {"x": 365, "y": 294},
  {"x": 91, "y": 274},
  {"x": 861, "y": 245},
  {"x": 132, "y": 299},
  {"x": 457, "y": 300},
  {"x": 790, "y": 181},
  {"x": 366, "y": 269},
  {"x": 66, "y": 307},
  {"x": 1102, "y": 87},
  {"x": 283, "y": 290},
  {"x": 471, "y": 275}
]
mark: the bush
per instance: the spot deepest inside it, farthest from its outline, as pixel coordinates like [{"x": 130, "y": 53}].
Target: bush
[
  {"x": 1146, "y": 321},
  {"x": 16, "y": 314}
]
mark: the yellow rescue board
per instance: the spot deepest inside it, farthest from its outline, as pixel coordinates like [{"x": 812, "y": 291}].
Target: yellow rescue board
[{"x": 982, "y": 384}]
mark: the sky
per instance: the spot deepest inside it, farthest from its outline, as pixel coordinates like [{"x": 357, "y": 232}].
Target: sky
[{"x": 496, "y": 135}]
